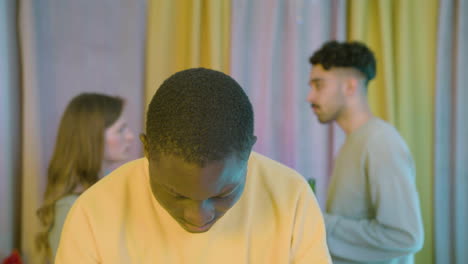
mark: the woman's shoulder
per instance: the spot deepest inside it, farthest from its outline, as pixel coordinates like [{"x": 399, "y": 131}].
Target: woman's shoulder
[{"x": 67, "y": 200}]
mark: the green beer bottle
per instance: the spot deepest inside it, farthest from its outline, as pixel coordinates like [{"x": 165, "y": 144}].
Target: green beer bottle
[{"x": 311, "y": 182}]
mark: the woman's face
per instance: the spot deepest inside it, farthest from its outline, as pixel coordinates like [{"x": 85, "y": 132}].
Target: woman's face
[{"x": 118, "y": 140}]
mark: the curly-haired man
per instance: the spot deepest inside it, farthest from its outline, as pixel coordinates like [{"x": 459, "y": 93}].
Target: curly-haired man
[{"x": 372, "y": 212}]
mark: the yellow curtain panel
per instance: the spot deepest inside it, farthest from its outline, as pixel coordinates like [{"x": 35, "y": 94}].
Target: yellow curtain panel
[{"x": 183, "y": 34}]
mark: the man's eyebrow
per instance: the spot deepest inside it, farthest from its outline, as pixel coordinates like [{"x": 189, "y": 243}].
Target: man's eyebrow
[
  {"x": 228, "y": 189},
  {"x": 315, "y": 80}
]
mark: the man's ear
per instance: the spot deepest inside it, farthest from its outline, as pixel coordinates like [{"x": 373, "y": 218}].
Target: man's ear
[
  {"x": 352, "y": 86},
  {"x": 254, "y": 140},
  {"x": 144, "y": 141}
]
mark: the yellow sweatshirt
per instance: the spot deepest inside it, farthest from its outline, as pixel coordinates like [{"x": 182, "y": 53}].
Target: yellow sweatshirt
[{"x": 276, "y": 220}]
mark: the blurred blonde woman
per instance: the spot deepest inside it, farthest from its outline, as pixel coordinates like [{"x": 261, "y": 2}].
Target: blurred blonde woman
[{"x": 92, "y": 138}]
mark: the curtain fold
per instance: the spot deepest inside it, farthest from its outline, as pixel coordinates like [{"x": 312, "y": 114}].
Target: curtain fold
[
  {"x": 69, "y": 47},
  {"x": 403, "y": 36},
  {"x": 9, "y": 128},
  {"x": 272, "y": 41},
  {"x": 185, "y": 34},
  {"x": 451, "y": 129}
]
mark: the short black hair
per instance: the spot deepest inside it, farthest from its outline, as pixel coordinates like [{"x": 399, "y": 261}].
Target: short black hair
[
  {"x": 354, "y": 55},
  {"x": 200, "y": 115}
]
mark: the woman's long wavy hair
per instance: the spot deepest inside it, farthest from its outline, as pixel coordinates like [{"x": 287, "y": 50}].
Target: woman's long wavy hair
[{"x": 78, "y": 155}]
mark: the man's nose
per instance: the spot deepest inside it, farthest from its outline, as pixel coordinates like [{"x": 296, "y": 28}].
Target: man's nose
[
  {"x": 199, "y": 213},
  {"x": 311, "y": 96}
]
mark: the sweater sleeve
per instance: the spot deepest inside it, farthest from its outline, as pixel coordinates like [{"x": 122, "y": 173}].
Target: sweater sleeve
[{"x": 396, "y": 229}]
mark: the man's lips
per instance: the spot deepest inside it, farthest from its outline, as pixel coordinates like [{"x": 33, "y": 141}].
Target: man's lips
[{"x": 195, "y": 227}]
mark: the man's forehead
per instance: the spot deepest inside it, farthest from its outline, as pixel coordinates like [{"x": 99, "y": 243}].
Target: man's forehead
[
  {"x": 317, "y": 70},
  {"x": 317, "y": 75},
  {"x": 187, "y": 178},
  {"x": 201, "y": 190}
]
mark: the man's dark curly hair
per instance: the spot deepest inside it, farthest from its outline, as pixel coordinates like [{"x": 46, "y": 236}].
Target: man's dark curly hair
[
  {"x": 354, "y": 55},
  {"x": 200, "y": 115}
]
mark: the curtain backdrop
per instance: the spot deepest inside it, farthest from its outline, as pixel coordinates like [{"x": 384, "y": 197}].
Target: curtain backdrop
[{"x": 51, "y": 50}]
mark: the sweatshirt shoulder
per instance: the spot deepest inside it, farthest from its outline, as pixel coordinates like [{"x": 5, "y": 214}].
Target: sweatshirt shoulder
[{"x": 130, "y": 173}]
